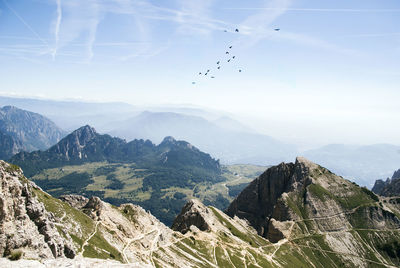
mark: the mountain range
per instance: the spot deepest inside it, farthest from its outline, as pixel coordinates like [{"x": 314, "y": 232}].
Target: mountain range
[
  {"x": 121, "y": 171},
  {"x": 22, "y": 130},
  {"x": 293, "y": 215},
  {"x": 214, "y": 132},
  {"x": 215, "y": 137}
]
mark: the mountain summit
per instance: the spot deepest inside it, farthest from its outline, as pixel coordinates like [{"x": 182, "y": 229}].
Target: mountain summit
[{"x": 305, "y": 197}]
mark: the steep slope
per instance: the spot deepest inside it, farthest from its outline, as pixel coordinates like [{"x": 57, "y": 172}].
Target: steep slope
[
  {"x": 390, "y": 187},
  {"x": 30, "y": 131},
  {"x": 88, "y": 163},
  {"x": 9, "y": 146},
  {"x": 73, "y": 114},
  {"x": 311, "y": 207},
  {"x": 362, "y": 164},
  {"x": 205, "y": 236}
]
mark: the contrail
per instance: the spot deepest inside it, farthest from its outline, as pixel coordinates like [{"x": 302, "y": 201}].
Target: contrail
[
  {"x": 57, "y": 30},
  {"x": 315, "y": 9},
  {"x": 26, "y": 24}
]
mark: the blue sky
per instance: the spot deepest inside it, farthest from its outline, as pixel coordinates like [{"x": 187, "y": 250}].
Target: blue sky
[{"x": 331, "y": 74}]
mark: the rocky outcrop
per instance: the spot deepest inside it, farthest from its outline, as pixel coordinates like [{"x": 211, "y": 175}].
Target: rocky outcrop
[
  {"x": 74, "y": 200},
  {"x": 380, "y": 185},
  {"x": 307, "y": 196},
  {"x": 390, "y": 187},
  {"x": 193, "y": 213},
  {"x": 93, "y": 207},
  {"x": 24, "y": 222},
  {"x": 261, "y": 199}
]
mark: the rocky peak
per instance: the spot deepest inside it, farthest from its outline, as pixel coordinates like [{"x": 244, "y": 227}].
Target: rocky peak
[
  {"x": 82, "y": 135},
  {"x": 73, "y": 144},
  {"x": 396, "y": 174},
  {"x": 390, "y": 187},
  {"x": 193, "y": 213},
  {"x": 168, "y": 140},
  {"x": 258, "y": 201}
]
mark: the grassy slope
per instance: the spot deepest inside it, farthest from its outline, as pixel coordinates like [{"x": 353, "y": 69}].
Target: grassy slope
[
  {"x": 234, "y": 247},
  {"x": 122, "y": 183}
]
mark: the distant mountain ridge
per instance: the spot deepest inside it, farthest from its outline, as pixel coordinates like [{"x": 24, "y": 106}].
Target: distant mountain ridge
[
  {"x": 361, "y": 163},
  {"x": 390, "y": 187},
  {"x": 25, "y": 131},
  {"x": 224, "y": 138},
  {"x": 86, "y": 145}
]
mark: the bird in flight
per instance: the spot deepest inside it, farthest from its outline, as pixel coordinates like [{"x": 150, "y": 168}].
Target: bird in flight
[
  {"x": 217, "y": 62},
  {"x": 237, "y": 30},
  {"x": 212, "y": 76},
  {"x": 229, "y": 60},
  {"x": 240, "y": 70},
  {"x": 227, "y": 52},
  {"x": 219, "y": 67},
  {"x": 230, "y": 47},
  {"x": 193, "y": 83},
  {"x": 199, "y": 73},
  {"x": 276, "y": 29},
  {"x": 233, "y": 57}
]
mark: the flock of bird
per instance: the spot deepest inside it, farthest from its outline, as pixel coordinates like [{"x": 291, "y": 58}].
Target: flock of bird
[{"x": 219, "y": 63}]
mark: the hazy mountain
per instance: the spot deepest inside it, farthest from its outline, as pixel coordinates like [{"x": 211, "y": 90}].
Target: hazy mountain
[
  {"x": 300, "y": 209},
  {"x": 9, "y": 146},
  {"x": 363, "y": 164},
  {"x": 225, "y": 138},
  {"x": 72, "y": 114},
  {"x": 27, "y": 131},
  {"x": 390, "y": 187}
]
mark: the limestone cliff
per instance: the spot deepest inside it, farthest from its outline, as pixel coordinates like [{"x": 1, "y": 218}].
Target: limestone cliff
[{"x": 25, "y": 224}]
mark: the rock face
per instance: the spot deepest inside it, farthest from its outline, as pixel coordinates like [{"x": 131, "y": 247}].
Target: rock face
[
  {"x": 288, "y": 194},
  {"x": 390, "y": 187},
  {"x": 24, "y": 222},
  {"x": 193, "y": 213},
  {"x": 24, "y": 130},
  {"x": 317, "y": 219},
  {"x": 9, "y": 145},
  {"x": 260, "y": 200},
  {"x": 74, "y": 200}
]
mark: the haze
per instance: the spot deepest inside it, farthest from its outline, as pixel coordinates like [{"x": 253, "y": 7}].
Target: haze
[{"x": 330, "y": 75}]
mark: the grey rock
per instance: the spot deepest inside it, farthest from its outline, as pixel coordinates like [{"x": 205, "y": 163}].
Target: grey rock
[
  {"x": 24, "y": 222},
  {"x": 193, "y": 213},
  {"x": 74, "y": 200}
]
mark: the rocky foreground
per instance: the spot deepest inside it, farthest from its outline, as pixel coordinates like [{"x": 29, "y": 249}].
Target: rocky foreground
[{"x": 294, "y": 215}]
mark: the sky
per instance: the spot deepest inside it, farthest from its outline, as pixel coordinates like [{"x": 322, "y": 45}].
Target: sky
[{"x": 331, "y": 74}]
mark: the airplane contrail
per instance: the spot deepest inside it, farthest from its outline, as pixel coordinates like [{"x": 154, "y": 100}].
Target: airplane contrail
[
  {"x": 315, "y": 9},
  {"x": 26, "y": 24},
  {"x": 57, "y": 30}
]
